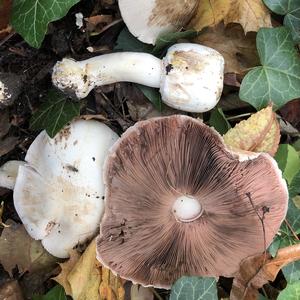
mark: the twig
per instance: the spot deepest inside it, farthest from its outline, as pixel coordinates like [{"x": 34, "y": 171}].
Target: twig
[{"x": 291, "y": 229}]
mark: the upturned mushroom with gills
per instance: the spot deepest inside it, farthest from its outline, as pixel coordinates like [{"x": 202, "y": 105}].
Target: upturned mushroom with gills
[
  {"x": 178, "y": 202},
  {"x": 148, "y": 19},
  {"x": 59, "y": 191},
  {"x": 190, "y": 76}
]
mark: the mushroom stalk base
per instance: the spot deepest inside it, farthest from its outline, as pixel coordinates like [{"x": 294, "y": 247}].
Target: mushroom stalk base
[
  {"x": 186, "y": 209},
  {"x": 8, "y": 173},
  {"x": 82, "y": 76}
]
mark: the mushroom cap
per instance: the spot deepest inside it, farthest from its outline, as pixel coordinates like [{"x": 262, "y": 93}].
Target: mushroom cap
[
  {"x": 193, "y": 79},
  {"x": 158, "y": 161},
  {"x": 59, "y": 192},
  {"x": 148, "y": 19}
]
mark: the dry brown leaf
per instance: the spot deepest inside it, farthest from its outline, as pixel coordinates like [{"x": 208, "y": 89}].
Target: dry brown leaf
[
  {"x": 258, "y": 270},
  {"x": 252, "y": 15},
  {"x": 249, "y": 134},
  {"x": 238, "y": 49},
  {"x": 8, "y": 144},
  {"x": 17, "y": 248},
  {"x": 138, "y": 292},
  {"x": 66, "y": 268},
  {"x": 86, "y": 279},
  {"x": 5, "y": 9},
  {"x": 11, "y": 291}
]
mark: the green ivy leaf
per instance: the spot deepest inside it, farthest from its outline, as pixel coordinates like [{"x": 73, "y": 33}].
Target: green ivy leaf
[
  {"x": 218, "y": 121},
  {"x": 194, "y": 288},
  {"x": 166, "y": 40},
  {"x": 56, "y": 293},
  {"x": 153, "y": 95},
  {"x": 288, "y": 161},
  {"x": 55, "y": 113},
  {"x": 292, "y": 291},
  {"x": 30, "y": 18},
  {"x": 278, "y": 79},
  {"x": 294, "y": 188},
  {"x": 291, "y": 10}
]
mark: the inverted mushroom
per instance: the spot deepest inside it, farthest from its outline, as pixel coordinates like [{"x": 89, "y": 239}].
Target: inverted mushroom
[
  {"x": 179, "y": 203},
  {"x": 190, "y": 76},
  {"x": 147, "y": 19},
  {"x": 59, "y": 191}
]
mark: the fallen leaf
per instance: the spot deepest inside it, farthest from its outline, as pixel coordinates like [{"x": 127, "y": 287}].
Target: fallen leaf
[
  {"x": 258, "y": 270},
  {"x": 4, "y": 122},
  {"x": 11, "y": 291},
  {"x": 252, "y": 15},
  {"x": 271, "y": 140},
  {"x": 250, "y": 134},
  {"x": 138, "y": 292},
  {"x": 86, "y": 279},
  {"x": 17, "y": 248},
  {"x": 66, "y": 268},
  {"x": 291, "y": 112},
  {"x": 8, "y": 144},
  {"x": 238, "y": 49},
  {"x": 5, "y": 9}
]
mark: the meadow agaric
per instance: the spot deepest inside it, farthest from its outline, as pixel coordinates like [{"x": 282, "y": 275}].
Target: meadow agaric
[
  {"x": 190, "y": 76},
  {"x": 179, "y": 203},
  {"x": 147, "y": 19},
  {"x": 59, "y": 191}
]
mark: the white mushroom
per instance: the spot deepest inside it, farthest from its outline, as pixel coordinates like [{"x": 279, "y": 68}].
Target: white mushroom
[
  {"x": 59, "y": 192},
  {"x": 190, "y": 76},
  {"x": 147, "y": 19}
]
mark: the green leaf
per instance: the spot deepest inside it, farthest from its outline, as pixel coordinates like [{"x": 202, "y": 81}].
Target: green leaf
[
  {"x": 294, "y": 188},
  {"x": 194, "y": 288},
  {"x": 291, "y": 272},
  {"x": 168, "y": 39},
  {"x": 278, "y": 79},
  {"x": 127, "y": 42},
  {"x": 30, "y": 18},
  {"x": 291, "y": 10},
  {"x": 288, "y": 161},
  {"x": 153, "y": 95},
  {"x": 291, "y": 292},
  {"x": 55, "y": 113},
  {"x": 56, "y": 293},
  {"x": 218, "y": 121}
]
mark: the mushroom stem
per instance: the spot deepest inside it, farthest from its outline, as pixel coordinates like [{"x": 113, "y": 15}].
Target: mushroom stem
[
  {"x": 142, "y": 68},
  {"x": 186, "y": 209},
  {"x": 8, "y": 173}
]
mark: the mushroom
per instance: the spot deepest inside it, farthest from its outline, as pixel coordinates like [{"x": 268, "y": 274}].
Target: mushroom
[
  {"x": 148, "y": 19},
  {"x": 59, "y": 191},
  {"x": 190, "y": 76},
  {"x": 179, "y": 203}
]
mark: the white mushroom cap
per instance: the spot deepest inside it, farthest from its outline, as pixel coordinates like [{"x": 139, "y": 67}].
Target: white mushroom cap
[
  {"x": 59, "y": 192},
  {"x": 194, "y": 77},
  {"x": 150, "y": 18},
  {"x": 8, "y": 173}
]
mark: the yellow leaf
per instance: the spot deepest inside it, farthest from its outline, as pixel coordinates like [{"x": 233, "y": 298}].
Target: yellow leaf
[
  {"x": 85, "y": 279},
  {"x": 248, "y": 134},
  {"x": 252, "y": 15},
  {"x": 271, "y": 140}
]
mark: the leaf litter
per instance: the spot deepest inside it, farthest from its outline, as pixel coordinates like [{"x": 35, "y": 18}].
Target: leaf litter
[{"x": 228, "y": 26}]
